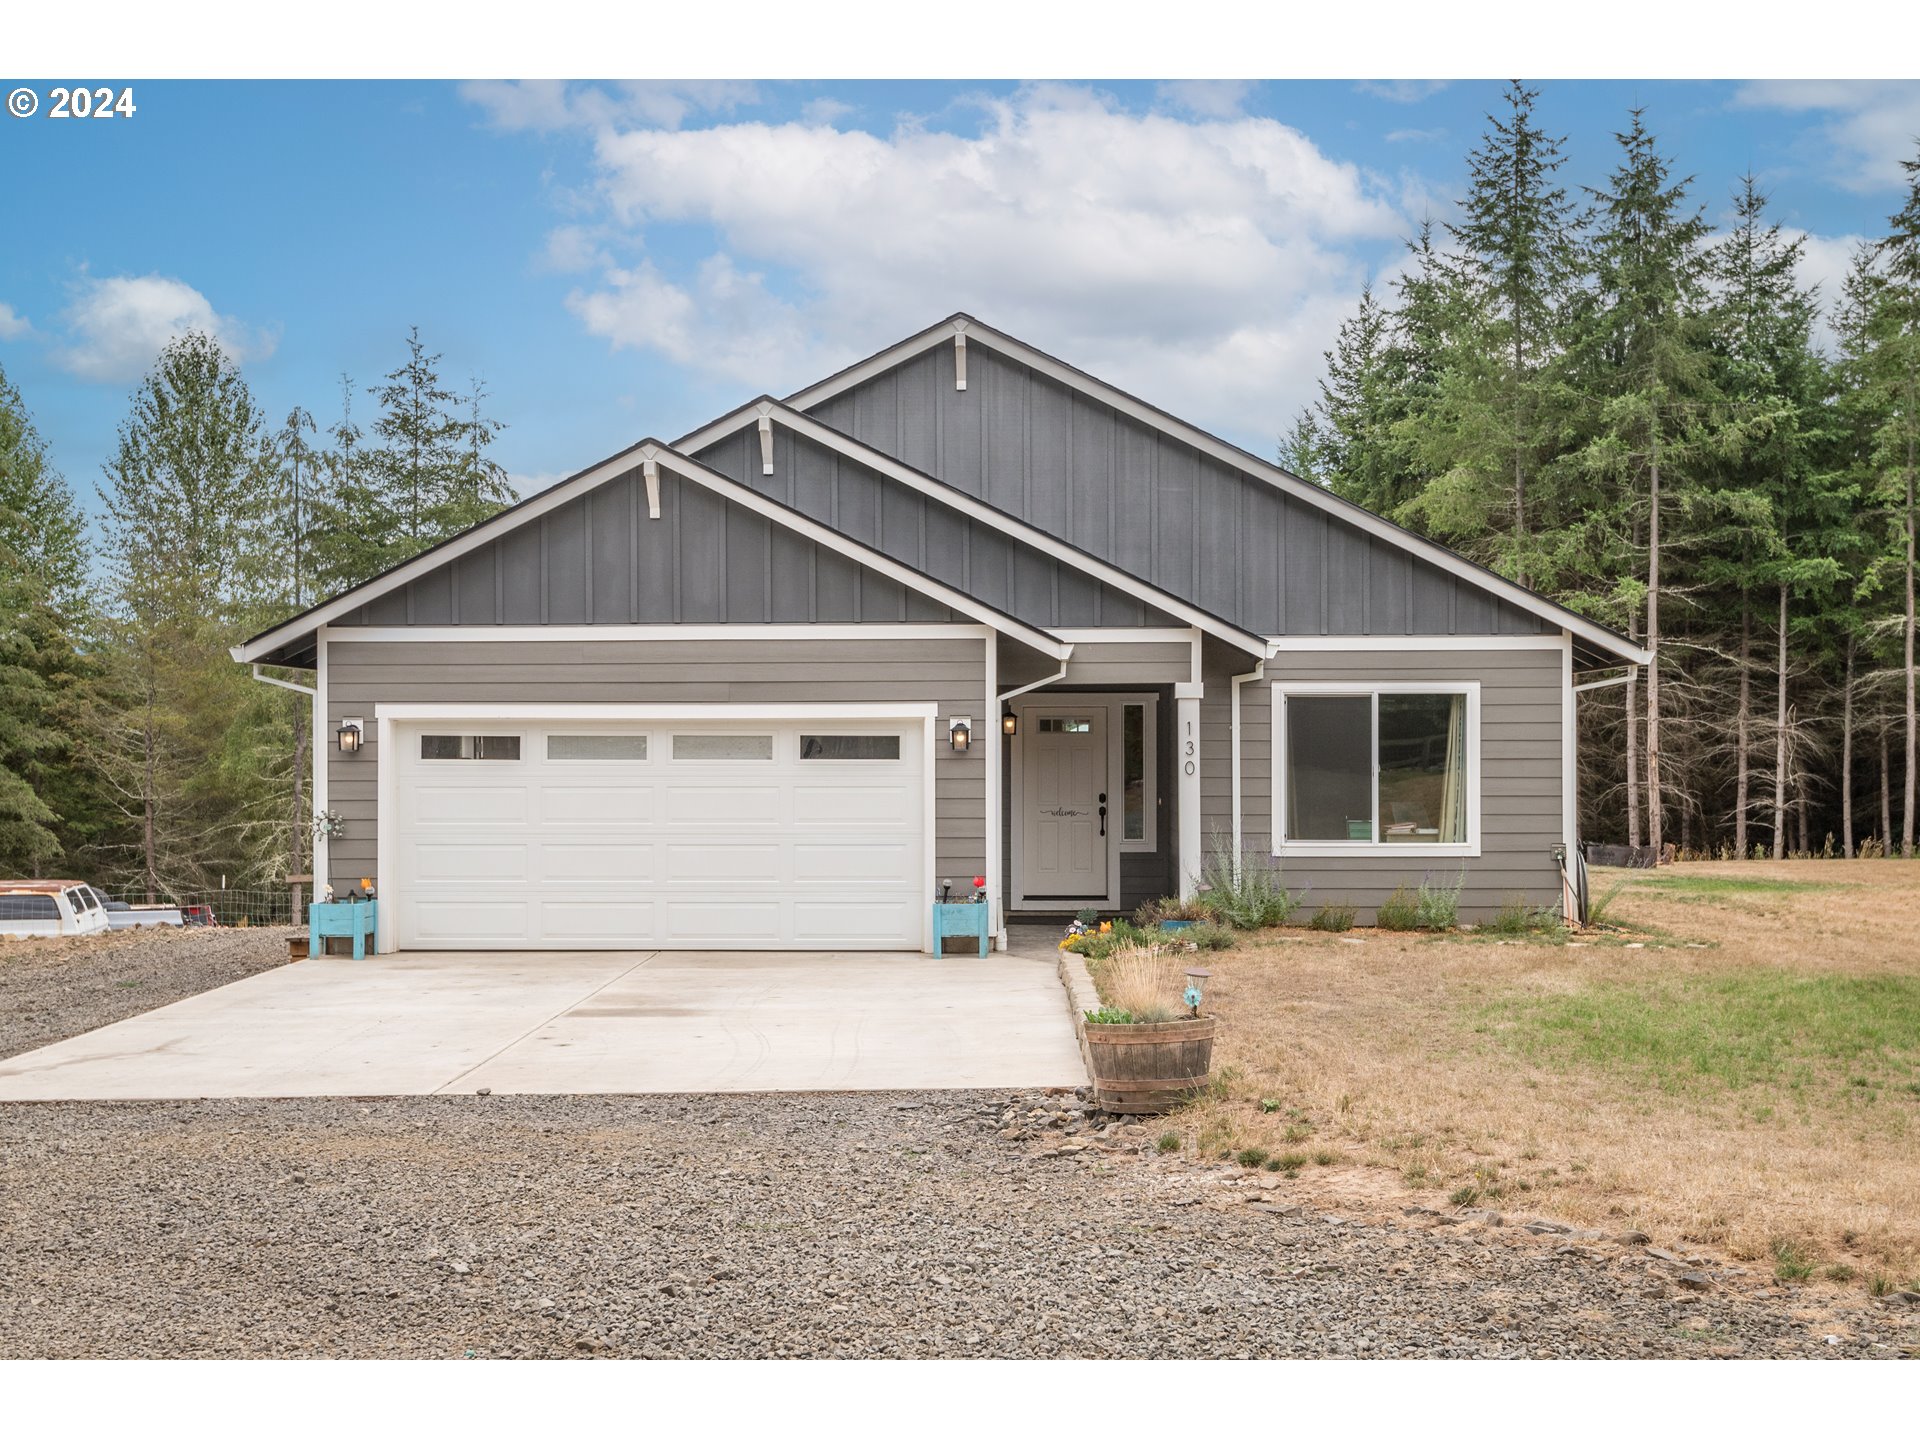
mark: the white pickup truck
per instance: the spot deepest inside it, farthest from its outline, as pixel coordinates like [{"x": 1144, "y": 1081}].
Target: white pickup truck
[
  {"x": 122, "y": 916},
  {"x": 51, "y": 907}
]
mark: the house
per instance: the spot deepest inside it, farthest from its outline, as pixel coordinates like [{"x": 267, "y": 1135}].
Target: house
[{"x": 959, "y": 610}]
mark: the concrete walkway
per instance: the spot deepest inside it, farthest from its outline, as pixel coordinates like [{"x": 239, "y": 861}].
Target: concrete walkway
[{"x": 581, "y": 1023}]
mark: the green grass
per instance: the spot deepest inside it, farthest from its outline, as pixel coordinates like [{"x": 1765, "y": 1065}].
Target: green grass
[
  {"x": 1764, "y": 1028},
  {"x": 1716, "y": 887}
]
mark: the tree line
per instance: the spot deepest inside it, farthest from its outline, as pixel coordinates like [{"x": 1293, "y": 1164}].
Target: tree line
[
  {"x": 1605, "y": 397},
  {"x": 132, "y": 749}
]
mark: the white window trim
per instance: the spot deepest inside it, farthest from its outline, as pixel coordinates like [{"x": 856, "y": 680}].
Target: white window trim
[{"x": 1373, "y": 690}]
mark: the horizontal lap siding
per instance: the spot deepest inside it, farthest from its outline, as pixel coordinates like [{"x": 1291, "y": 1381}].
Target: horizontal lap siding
[
  {"x": 362, "y": 675},
  {"x": 1520, "y": 775}
]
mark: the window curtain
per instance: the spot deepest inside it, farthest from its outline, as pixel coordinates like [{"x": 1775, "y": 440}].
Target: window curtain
[{"x": 1453, "y": 813}]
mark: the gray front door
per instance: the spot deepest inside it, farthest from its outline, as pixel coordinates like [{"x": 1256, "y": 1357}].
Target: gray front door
[{"x": 1064, "y": 833}]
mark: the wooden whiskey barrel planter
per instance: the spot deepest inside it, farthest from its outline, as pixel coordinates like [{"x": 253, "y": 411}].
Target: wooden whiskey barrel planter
[{"x": 1148, "y": 1069}]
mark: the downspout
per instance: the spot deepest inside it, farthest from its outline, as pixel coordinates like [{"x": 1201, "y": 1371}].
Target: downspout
[{"x": 1259, "y": 672}]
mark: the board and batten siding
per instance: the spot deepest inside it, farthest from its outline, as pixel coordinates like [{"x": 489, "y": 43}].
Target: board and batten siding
[
  {"x": 1521, "y": 806},
  {"x": 978, "y": 559},
  {"x": 1156, "y": 507},
  {"x": 362, "y": 675},
  {"x": 599, "y": 560}
]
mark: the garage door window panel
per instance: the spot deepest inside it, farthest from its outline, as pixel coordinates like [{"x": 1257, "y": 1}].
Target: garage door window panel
[
  {"x": 597, "y": 747},
  {"x": 722, "y": 747},
  {"x": 849, "y": 747},
  {"x": 469, "y": 747}
]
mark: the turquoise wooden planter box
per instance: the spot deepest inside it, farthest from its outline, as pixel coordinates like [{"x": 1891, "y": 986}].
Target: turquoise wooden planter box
[
  {"x": 966, "y": 918},
  {"x": 342, "y": 917}
]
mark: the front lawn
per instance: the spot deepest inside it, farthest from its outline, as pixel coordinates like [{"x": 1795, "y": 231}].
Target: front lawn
[{"x": 1734, "y": 1063}]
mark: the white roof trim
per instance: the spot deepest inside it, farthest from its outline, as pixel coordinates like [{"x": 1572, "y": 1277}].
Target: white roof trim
[
  {"x": 626, "y": 460},
  {"x": 1245, "y": 461},
  {"x": 987, "y": 515}
]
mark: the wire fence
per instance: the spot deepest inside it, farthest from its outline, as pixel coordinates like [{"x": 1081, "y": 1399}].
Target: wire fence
[{"x": 215, "y": 905}]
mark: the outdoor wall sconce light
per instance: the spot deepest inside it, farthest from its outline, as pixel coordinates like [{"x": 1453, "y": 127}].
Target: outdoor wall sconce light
[
  {"x": 1009, "y": 724},
  {"x": 349, "y": 737},
  {"x": 960, "y": 733},
  {"x": 1196, "y": 983}
]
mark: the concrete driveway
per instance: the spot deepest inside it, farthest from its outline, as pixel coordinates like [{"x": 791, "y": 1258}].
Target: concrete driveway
[{"x": 581, "y": 1023}]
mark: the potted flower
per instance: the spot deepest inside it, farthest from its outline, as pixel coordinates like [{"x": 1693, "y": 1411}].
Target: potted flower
[{"x": 1149, "y": 1045}]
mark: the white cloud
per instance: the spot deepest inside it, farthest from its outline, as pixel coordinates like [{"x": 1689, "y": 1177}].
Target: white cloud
[
  {"x": 12, "y": 323},
  {"x": 1418, "y": 137},
  {"x": 571, "y": 249},
  {"x": 117, "y": 325},
  {"x": 559, "y": 104},
  {"x": 1873, "y": 124},
  {"x": 1212, "y": 99},
  {"x": 1201, "y": 264},
  {"x": 1402, "y": 92},
  {"x": 525, "y": 485},
  {"x": 825, "y": 110}
]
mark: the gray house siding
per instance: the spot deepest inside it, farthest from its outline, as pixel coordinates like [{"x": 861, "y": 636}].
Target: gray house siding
[
  {"x": 362, "y": 675},
  {"x": 599, "y": 560},
  {"x": 1521, "y": 694},
  {"x": 972, "y": 557},
  {"x": 1156, "y": 507}
]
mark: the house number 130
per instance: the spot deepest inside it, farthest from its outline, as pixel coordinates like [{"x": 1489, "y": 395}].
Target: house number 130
[{"x": 1191, "y": 764}]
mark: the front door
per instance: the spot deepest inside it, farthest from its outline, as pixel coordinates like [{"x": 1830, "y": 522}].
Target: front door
[{"x": 1064, "y": 824}]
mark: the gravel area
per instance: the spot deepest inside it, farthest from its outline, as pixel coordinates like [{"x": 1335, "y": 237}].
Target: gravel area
[
  {"x": 793, "y": 1225},
  {"x": 55, "y": 988}
]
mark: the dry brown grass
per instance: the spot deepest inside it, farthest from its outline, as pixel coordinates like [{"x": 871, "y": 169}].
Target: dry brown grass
[
  {"x": 1140, "y": 979},
  {"x": 1395, "y": 1055}
]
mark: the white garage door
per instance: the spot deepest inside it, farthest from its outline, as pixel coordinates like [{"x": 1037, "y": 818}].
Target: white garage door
[{"x": 703, "y": 835}]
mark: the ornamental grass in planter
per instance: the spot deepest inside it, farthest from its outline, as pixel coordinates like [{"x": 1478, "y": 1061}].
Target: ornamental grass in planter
[{"x": 1149, "y": 1050}]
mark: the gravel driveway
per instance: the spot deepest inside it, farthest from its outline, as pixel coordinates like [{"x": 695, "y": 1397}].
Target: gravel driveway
[
  {"x": 796, "y": 1225},
  {"x": 53, "y": 989},
  {"x": 927, "y": 1224}
]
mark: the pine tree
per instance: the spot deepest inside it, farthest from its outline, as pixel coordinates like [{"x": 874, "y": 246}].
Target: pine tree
[
  {"x": 42, "y": 601},
  {"x": 1496, "y": 414},
  {"x": 1892, "y": 377},
  {"x": 188, "y": 511},
  {"x": 1645, "y": 353}
]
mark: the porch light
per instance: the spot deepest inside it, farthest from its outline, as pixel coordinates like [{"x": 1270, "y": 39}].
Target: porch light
[
  {"x": 349, "y": 737},
  {"x": 1009, "y": 724},
  {"x": 1196, "y": 984},
  {"x": 960, "y": 734}
]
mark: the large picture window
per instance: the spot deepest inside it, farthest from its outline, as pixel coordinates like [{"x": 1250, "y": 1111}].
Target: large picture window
[{"x": 1392, "y": 767}]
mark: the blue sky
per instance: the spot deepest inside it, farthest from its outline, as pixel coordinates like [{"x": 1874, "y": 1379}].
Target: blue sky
[{"x": 626, "y": 260}]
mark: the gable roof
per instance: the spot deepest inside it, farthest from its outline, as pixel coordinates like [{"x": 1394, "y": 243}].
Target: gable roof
[
  {"x": 276, "y": 640},
  {"x": 992, "y": 516},
  {"x": 1596, "y": 637}
]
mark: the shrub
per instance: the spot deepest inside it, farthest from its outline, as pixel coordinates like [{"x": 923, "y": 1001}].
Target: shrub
[
  {"x": 1516, "y": 917},
  {"x": 1292, "y": 1163},
  {"x": 1109, "y": 1015},
  {"x": 1088, "y": 916},
  {"x": 1438, "y": 906},
  {"x": 1253, "y": 1157},
  {"x": 1210, "y": 936},
  {"x": 1399, "y": 911},
  {"x": 1099, "y": 944},
  {"x": 1168, "y": 1142},
  {"x": 1173, "y": 908},
  {"x": 1244, "y": 889},
  {"x": 1335, "y": 918},
  {"x": 1598, "y": 907},
  {"x": 1141, "y": 980}
]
